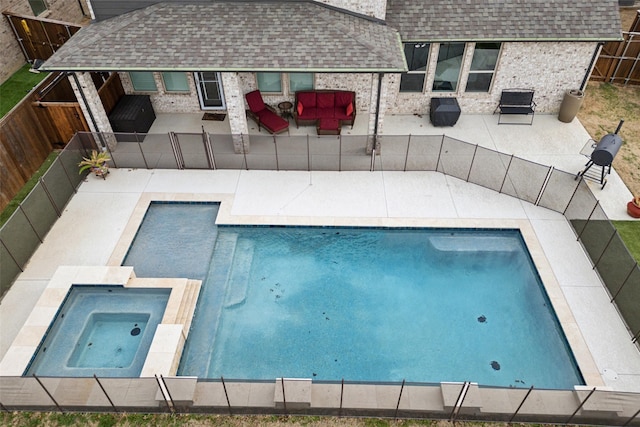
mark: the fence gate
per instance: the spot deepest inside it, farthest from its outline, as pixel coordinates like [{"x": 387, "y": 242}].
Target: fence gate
[
  {"x": 619, "y": 62},
  {"x": 67, "y": 117},
  {"x": 39, "y": 38}
]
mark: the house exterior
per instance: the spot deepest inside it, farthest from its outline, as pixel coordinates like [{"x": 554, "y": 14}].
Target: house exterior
[
  {"x": 12, "y": 58},
  {"x": 204, "y": 55}
]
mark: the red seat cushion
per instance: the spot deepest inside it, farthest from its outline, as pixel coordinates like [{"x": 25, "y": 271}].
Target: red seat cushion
[
  {"x": 343, "y": 98},
  {"x": 340, "y": 114},
  {"x": 272, "y": 121},
  {"x": 326, "y": 99},
  {"x": 326, "y": 113},
  {"x": 255, "y": 102},
  {"x": 308, "y": 99},
  {"x": 309, "y": 113},
  {"x": 328, "y": 124}
]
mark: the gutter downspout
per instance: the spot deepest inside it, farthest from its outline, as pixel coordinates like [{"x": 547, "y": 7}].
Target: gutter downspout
[
  {"x": 592, "y": 64},
  {"x": 375, "y": 125}
]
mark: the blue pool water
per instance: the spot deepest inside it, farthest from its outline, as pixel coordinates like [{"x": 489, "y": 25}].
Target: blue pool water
[
  {"x": 101, "y": 330},
  {"x": 425, "y": 305}
]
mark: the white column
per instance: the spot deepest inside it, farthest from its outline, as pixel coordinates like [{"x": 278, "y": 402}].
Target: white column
[
  {"x": 234, "y": 100},
  {"x": 90, "y": 103},
  {"x": 373, "y": 102}
]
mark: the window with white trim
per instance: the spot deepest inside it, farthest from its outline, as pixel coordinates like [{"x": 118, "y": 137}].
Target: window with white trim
[
  {"x": 300, "y": 81},
  {"x": 269, "y": 82},
  {"x": 417, "y": 55},
  {"x": 175, "y": 81},
  {"x": 483, "y": 67},
  {"x": 143, "y": 81},
  {"x": 448, "y": 68}
]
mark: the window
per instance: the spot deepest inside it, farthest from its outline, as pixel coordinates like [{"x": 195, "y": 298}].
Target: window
[
  {"x": 175, "y": 82},
  {"x": 417, "y": 55},
  {"x": 269, "y": 82},
  {"x": 448, "y": 67},
  {"x": 300, "y": 81},
  {"x": 38, "y": 6},
  {"x": 483, "y": 67},
  {"x": 143, "y": 81}
]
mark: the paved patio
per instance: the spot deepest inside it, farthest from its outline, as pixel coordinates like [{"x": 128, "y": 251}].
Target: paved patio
[
  {"x": 94, "y": 224},
  {"x": 548, "y": 142}
]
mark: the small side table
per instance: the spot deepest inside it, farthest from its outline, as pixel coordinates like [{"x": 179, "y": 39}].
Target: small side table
[
  {"x": 444, "y": 111},
  {"x": 285, "y": 109}
]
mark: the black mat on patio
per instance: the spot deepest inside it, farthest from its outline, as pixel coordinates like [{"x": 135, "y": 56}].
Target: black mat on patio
[{"x": 218, "y": 117}]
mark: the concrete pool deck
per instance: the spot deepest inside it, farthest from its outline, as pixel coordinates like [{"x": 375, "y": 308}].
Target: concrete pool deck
[{"x": 98, "y": 221}]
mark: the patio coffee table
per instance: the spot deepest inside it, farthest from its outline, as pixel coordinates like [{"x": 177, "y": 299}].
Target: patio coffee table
[{"x": 326, "y": 126}]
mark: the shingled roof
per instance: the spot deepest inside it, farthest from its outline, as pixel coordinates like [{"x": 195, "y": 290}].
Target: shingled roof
[
  {"x": 234, "y": 36},
  {"x": 505, "y": 20}
]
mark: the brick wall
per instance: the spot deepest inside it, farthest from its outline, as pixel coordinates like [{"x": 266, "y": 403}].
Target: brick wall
[
  {"x": 167, "y": 102},
  {"x": 12, "y": 57},
  {"x": 550, "y": 68}
]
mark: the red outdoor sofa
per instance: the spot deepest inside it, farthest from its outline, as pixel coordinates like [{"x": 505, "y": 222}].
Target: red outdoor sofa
[
  {"x": 264, "y": 115},
  {"x": 327, "y": 109}
]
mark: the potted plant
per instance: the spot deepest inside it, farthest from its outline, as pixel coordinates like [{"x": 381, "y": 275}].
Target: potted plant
[
  {"x": 96, "y": 163},
  {"x": 633, "y": 207}
]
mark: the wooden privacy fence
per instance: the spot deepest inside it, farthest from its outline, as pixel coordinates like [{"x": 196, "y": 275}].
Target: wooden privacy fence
[
  {"x": 46, "y": 118},
  {"x": 39, "y": 38},
  {"x": 31, "y": 129},
  {"x": 619, "y": 62}
]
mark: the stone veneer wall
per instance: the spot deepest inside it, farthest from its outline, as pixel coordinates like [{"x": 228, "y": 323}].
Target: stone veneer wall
[
  {"x": 550, "y": 68},
  {"x": 93, "y": 100},
  {"x": 234, "y": 99},
  {"x": 167, "y": 102},
  {"x": 12, "y": 57},
  {"x": 374, "y": 8}
]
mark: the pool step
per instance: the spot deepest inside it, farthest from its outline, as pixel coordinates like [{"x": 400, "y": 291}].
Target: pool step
[
  {"x": 470, "y": 243},
  {"x": 188, "y": 305},
  {"x": 238, "y": 281}
]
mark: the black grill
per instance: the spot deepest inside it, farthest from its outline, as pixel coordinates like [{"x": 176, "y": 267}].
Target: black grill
[{"x": 603, "y": 154}]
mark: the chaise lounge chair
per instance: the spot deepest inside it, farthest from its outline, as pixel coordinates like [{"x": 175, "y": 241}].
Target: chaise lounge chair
[{"x": 263, "y": 114}]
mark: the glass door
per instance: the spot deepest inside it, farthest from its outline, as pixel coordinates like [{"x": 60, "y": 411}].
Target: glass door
[{"x": 210, "y": 92}]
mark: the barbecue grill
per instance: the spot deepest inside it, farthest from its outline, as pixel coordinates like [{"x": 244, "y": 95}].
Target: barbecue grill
[{"x": 602, "y": 155}]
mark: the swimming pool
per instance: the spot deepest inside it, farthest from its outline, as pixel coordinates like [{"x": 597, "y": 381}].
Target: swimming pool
[
  {"x": 425, "y": 305},
  {"x": 101, "y": 330}
]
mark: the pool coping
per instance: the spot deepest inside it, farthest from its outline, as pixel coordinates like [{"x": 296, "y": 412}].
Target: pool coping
[
  {"x": 169, "y": 338},
  {"x": 581, "y": 353}
]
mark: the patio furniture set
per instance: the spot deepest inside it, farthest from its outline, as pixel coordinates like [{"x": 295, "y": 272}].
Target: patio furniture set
[{"x": 329, "y": 110}]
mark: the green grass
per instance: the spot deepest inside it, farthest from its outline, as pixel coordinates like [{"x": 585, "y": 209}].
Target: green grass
[
  {"x": 193, "y": 420},
  {"x": 630, "y": 233},
  {"x": 17, "y": 87},
  {"x": 13, "y": 204}
]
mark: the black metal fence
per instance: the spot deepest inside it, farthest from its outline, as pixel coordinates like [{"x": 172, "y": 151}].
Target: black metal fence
[
  {"x": 29, "y": 224},
  {"x": 282, "y": 396}
]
